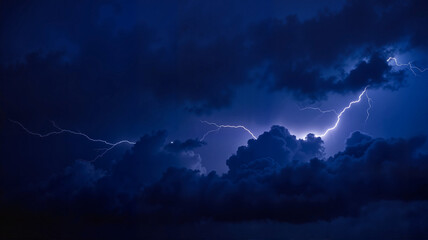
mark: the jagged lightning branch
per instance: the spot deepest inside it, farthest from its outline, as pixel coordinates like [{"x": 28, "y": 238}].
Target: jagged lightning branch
[
  {"x": 369, "y": 102},
  {"x": 409, "y": 65},
  {"x": 342, "y": 112},
  {"x": 112, "y": 145},
  {"x": 220, "y": 126},
  {"x": 59, "y": 130},
  {"x": 339, "y": 115},
  {"x": 320, "y": 110}
]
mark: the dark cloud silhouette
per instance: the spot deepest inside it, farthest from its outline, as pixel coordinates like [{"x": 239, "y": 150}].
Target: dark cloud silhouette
[
  {"x": 200, "y": 68},
  {"x": 268, "y": 179},
  {"x": 374, "y": 73},
  {"x": 81, "y": 176},
  {"x": 275, "y": 177},
  {"x": 150, "y": 157},
  {"x": 178, "y": 146},
  {"x": 273, "y": 150}
]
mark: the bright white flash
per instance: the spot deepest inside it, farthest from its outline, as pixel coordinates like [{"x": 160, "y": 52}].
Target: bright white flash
[
  {"x": 59, "y": 130},
  {"x": 409, "y": 65},
  {"x": 220, "y": 126}
]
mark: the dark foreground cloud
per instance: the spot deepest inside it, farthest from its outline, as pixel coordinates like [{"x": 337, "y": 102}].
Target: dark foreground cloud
[
  {"x": 269, "y": 180},
  {"x": 150, "y": 157},
  {"x": 276, "y": 177},
  {"x": 199, "y": 62}
]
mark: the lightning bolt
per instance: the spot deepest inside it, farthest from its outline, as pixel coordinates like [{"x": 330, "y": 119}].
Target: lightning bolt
[
  {"x": 409, "y": 65},
  {"x": 58, "y": 130},
  {"x": 339, "y": 116},
  {"x": 112, "y": 145},
  {"x": 220, "y": 126},
  {"x": 369, "y": 102},
  {"x": 320, "y": 110}
]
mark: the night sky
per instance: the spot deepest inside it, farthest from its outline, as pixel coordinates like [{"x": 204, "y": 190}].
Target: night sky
[{"x": 135, "y": 119}]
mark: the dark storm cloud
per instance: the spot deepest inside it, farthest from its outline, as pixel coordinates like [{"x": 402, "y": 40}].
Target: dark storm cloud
[
  {"x": 302, "y": 55},
  {"x": 276, "y": 177},
  {"x": 265, "y": 181},
  {"x": 375, "y": 72},
  {"x": 178, "y": 146},
  {"x": 150, "y": 157},
  {"x": 81, "y": 176},
  {"x": 272, "y": 151},
  {"x": 305, "y": 82},
  {"x": 85, "y": 190},
  {"x": 199, "y": 61}
]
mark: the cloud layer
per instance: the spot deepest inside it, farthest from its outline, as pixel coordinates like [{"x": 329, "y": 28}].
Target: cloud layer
[
  {"x": 280, "y": 178},
  {"x": 276, "y": 177},
  {"x": 199, "y": 67}
]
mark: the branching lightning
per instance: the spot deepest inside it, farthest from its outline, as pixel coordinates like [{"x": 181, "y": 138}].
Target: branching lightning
[
  {"x": 111, "y": 145},
  {"x": 339, "y": 115},
  {"x": 59, "y": 130},
  {"x": 220, "y": 126},
  {"x": 369, "y": 102},
  {"x": 409, "y": 65},
  {"x": 343, "y": 111},
  {"x": 338, "y": 118},
  {"x": 320, "y": 110}
]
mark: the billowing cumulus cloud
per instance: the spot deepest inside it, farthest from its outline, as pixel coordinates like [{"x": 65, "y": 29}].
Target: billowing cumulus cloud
[
  {"x": 269, "y": 179},
  {"x": 276, "y": 177},
  {"x": 150, "y": 157},
  {"x": 273, "y": 150}
]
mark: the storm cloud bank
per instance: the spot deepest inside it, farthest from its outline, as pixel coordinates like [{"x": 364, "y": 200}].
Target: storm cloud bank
[
  {"x": 276, "y": 177},
  {"x": 280, "y": 178},
  {"x": 199, "y": 62}
]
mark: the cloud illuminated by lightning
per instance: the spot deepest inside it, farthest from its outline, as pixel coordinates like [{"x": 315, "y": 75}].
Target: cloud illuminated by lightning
[
  {"x": 112, "y": 145},
  {"x": 220, "y": 126},
  {"x": 59, "y": 130},
  {"x": 339, "y": 116},
  {"x": 409, "y": 65}
]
